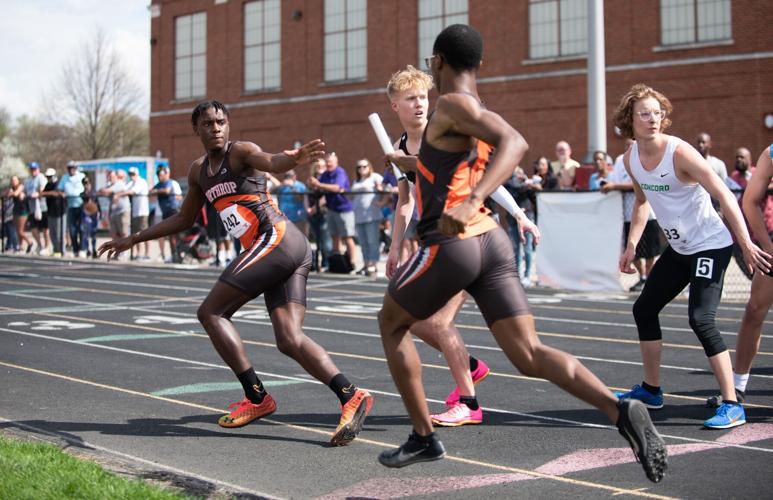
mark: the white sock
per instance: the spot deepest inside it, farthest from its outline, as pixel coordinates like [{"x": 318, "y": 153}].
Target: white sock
[
  {"x": 221, "y": 255},
  {"x": 740, "y": 381}
]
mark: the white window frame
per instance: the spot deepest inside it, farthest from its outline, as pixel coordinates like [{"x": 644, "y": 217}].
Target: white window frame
[
  {"x": 564, "y": 33},
  {"x": 262, "y": 45},
  {"x": 346, "y": 40},
  {"x": 685, "y": 22},
  {"x": 190, "y": 73},
  {"x": 433, "y": 16}
]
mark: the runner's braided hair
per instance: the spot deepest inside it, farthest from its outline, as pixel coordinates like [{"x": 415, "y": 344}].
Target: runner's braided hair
[{"x": 202, "y": 106}]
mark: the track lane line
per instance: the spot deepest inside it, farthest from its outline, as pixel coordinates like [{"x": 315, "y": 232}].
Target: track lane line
[{"x": 381, "y": 444}]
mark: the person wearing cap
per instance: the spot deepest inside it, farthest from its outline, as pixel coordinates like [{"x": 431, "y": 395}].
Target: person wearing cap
[
  {"x": 138, "y": 190},
  {"x": 36, "y": 206},
  {"x": 55, "y": 203},
  {"x": 71, "y": 184}
]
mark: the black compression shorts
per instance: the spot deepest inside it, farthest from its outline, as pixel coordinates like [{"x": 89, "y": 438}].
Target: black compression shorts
[
  {"x": 483, "y": 265},
  {"x": 277, "y": 265}
]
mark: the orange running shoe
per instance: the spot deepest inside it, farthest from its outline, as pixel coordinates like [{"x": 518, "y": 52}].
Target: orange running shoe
[
  {"x": 246, "y": 411},
  {"x": 353, "y": 414}
]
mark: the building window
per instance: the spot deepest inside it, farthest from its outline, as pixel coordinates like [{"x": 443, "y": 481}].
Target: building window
[
  {"x": 434, "y": 15},
  {"x": 346, "y": 40},
  {"x": 190, "y": 58},
  {"x": 558, "y": 28},
  {"x": 691, "y": 21},
  {"x": 262, "y": 51}
]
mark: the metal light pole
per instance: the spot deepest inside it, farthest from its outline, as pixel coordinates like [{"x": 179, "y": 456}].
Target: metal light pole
[{"x": 597, "y": 96}]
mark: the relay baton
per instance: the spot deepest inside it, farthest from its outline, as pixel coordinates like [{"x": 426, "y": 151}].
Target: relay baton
[{"x": 383, "y": 140}]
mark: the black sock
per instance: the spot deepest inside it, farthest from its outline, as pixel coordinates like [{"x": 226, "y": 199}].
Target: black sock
[
  {"x": 415, "y": 436},
  {"x": 470, "y": 401},
  {"x": 651, "y": 388},
  {"x": 253, "y": 388},
  {"x": 473, "y": 364},
  {"x": 342, "y": 387}
]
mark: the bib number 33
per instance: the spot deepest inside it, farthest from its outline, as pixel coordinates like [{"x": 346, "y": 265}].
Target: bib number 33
[
  {"x": 234, "y": 223},
  {"x": 671, "y": 234}
]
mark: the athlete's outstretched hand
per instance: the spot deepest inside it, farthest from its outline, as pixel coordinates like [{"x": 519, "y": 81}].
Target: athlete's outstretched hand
[
  {"x": 454, "y": 220},
  {"x": 626, "y": 260},
  {"x": 115, "y": 247},
  {"x": 309, "y": 152}
]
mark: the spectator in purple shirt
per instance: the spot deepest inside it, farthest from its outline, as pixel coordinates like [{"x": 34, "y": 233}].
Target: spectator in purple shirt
[{"x": 340, "y": 214}]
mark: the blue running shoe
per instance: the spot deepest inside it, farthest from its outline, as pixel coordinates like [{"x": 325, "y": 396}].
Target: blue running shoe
[
  {"x": 728, "y": 415},
  {"x": 651, "y": 401}
]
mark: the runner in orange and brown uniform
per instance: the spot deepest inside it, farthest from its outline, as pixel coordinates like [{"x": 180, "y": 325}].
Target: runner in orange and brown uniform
[
  {"x": 463, "y": 249},
  {"x": 276, "y": 263}
]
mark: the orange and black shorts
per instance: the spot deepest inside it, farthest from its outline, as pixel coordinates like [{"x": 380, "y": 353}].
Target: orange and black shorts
[
  {"x": 483, "y": 265},
  {"x": 277, "y": 264}
]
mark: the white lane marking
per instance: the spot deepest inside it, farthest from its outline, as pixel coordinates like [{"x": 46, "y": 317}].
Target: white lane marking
[{"x": 372, "y": 391}]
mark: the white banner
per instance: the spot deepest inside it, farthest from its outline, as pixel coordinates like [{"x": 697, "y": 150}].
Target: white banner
[{"x": 581, "y": 240}]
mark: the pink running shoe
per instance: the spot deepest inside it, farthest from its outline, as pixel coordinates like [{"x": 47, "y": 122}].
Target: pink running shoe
[
  {"x": 459, "y": 414},
  {"x": 478, "y": 375}
]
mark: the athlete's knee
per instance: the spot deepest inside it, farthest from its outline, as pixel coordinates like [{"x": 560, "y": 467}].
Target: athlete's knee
[
  {"x": 704, "y": 326},
  {"x": 755, "y": 312},
  {"x": 288, "y": 344},
  {"x": 528, "y": 360},
  {"x": 645, "y": 314},
  {"x": 391, "y": 320},
  {"x": 643, "y": 309},
  {"x": 204, "y": 314}
]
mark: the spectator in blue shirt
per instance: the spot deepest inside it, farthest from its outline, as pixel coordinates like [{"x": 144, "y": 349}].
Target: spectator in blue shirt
[
  {"x": 72, "y": 185},
  {"x": 169, "y": 204},
  {"x": 599, "y": 177},
  {"x": 340, "y": 214},
  {"x": 293, "y": 202}
]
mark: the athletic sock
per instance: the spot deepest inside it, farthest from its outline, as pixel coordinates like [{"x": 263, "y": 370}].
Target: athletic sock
[
  {"x": 740, "y": 380},
  {"x": 415, "y": 436},
  {"x": 253, "y": 388},
  {"x": 655, "y": 390},
  {"x": 470, "y": 401},
  {"x": 342, "y": 387},
  {"x": 473, "y": 364}
]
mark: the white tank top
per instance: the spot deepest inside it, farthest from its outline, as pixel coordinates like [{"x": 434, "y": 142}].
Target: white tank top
[{"x": 684, "y": 211}]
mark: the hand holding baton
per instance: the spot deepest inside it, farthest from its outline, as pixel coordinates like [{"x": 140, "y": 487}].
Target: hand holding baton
[{"x": 383, "y": 140}]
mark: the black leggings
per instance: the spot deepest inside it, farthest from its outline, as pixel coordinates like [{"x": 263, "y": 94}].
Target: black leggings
[{"x": 705, "y": 273}]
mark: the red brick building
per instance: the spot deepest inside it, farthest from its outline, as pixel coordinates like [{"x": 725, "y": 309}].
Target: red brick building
[{"x": 293, "y": 70}]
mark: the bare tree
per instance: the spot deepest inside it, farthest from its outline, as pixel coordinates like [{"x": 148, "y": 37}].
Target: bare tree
[
  {"x": 5, "y": 122},
  {"x": 50, "y": 144},
  {"x": 100, "y": 96}
]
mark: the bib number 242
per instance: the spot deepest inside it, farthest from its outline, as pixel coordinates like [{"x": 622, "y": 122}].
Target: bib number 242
[{"x": 233, "y": 221}]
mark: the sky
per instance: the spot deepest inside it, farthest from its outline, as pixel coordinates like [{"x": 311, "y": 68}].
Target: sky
[{"x": 38, "y": 37}]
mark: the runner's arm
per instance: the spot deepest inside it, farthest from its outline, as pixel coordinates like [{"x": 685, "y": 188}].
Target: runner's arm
[
  {"x": 253, "y": 157},
  {"x": 755, "y": 194},
  {"x": 691, "y": 164}
]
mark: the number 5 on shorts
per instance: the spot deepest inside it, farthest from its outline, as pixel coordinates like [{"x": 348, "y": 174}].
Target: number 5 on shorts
[{"x": 704, "y": 267}]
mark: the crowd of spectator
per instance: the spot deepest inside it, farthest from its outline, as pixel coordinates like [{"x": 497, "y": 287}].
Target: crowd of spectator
[{"x": 55, "y": 216}]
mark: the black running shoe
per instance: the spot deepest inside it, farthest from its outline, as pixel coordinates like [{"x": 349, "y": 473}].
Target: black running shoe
[
  {"x": 416, "y": 449},
  {"x": 716, "y": 401},
  {"x": 636, "y": 427}
]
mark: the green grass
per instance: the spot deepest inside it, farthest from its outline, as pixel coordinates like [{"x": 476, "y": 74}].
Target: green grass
[{"x": 43, "y": 471}]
